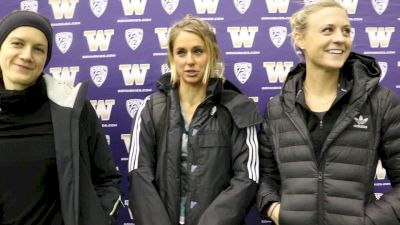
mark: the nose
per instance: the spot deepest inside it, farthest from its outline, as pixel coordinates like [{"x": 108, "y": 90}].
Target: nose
[
  {"x": 190, "y": 59},
  {"x": 26, "y": 53},
  {"x": 339, "y": 37}
]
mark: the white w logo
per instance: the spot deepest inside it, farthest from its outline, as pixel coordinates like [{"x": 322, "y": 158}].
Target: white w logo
[
  {"x": 277, "y": 71},
  {"x": 126, "y": 138},
  {"x": 65, "y": 75},
  {"x": 134, "y": 74},
  {"x": 98, "y": 39},
  {"x": 349, "y": 5},
  {"x": 133, "y": 6},
  {"x": 242, "y": 36},
  {"x": 203, "y": 6},
  {"x": 103, "y": 108},
  {"x": 63, "y": 8},
  {"x": 379, "y": 36},
  {"x": 162, "y": 34},
  {"x": 275, "y": 6}
]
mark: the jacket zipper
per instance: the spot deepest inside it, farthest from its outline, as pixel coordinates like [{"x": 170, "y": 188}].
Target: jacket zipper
[
  {"x": 319, "y": 168},
  {"x": 190, "y": 163},
  {"x": 319, "y": 196}
]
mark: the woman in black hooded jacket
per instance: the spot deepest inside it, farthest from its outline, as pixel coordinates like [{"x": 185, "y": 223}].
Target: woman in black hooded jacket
[
  {"x": 194, "y": 153},
  {"x": 323, "y": 135}
]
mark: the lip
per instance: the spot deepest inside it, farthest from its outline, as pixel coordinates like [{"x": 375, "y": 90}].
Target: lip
[
  {"x": 191, "y": 72},
  {"x": 336, "y": 51},
  {"x": 24, "y": 67}
]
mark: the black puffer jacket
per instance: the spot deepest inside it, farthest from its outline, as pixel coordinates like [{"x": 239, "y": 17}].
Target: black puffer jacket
[
  {"x": 337, "y": 188},
  {"x": 222, "y": 159}
]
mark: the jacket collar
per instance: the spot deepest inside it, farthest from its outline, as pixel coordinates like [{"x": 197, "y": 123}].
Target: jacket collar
[
  {"x": 363, "y": 70},
  {"x": 214, "y": 88},
  {"x": 60, "y": 93}
]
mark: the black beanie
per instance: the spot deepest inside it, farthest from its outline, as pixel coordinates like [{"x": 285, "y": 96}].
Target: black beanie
[{"x": 31, "y": 19}]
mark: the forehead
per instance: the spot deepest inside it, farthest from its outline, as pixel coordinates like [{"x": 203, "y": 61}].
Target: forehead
[
  {"x": 328, "y": 15},
  {"x": 28, "y": 33},
  {"x": 186, "y": 39}
]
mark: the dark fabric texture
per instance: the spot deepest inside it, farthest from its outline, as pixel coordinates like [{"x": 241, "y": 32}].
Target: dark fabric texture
[
  {"x": 29, "y": 192},
  {"x": 219, "y": 187},
  {"x": 338, "y": 187},
  {"x": 88, "y": 179}
]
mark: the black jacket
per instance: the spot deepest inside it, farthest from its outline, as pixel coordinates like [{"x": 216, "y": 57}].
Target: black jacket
[
  {"x": 222, "y": 161},
  {"x": 338, "y": 187},
  {"x": 88, "y": 179}
]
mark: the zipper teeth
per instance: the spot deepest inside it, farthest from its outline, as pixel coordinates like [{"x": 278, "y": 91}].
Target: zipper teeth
[{"x": 319, "y": 196}]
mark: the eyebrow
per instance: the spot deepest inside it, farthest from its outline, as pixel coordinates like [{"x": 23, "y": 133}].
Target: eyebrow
[
  {"x": 196, "y": 46},
  {"x": 333, "y": 25},
  {"x": 13, "y": 38}
]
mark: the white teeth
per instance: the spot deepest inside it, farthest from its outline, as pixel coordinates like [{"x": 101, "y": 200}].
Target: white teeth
[{"x": 336, "y": 51}]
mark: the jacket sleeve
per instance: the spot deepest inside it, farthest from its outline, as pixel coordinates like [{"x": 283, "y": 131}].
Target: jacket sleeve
[
  {"x": 231, "y": 205},
  {"x": 144, "y": 199},
  {"x": 387, "y": 209},
  {"x": 105, "y": 177},
  {"x": 268, "y": 189}
]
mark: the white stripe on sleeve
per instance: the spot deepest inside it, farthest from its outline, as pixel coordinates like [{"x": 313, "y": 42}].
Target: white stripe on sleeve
[
  {"x": 253, "y": 162},
  {"x": 134, "y": 147}
]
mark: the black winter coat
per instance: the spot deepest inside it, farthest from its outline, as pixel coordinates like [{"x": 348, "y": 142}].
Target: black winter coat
[
  {"x": 222, "y": 159},
  {"x": 337, "y": 188},
  {"x": 88, "y": 179}
]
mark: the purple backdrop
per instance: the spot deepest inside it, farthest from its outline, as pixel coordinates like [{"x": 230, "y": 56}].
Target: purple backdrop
[{"x": 120, "y": 46}]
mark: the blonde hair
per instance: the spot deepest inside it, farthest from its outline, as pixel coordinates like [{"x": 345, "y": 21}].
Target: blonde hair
[
  {"x": 194, "y": 25},
  {"x": 299, "y": 20}
]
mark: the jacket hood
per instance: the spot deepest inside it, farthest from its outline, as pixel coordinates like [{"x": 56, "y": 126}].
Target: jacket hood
[
  {"x": 62, "y": 94},
  {"x": 164, "y": 84},
  {"x": 362, "y": 69},
  {"x": 244, "y": 111}
]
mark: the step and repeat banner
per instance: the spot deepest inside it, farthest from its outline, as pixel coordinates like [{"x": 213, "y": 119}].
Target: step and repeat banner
[{"x": 120, "y": 46}]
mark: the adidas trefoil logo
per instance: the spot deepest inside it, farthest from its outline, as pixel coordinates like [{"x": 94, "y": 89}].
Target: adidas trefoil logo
[
  {"x": 213, "y": 110},
  {"x": 360, "y": 122}
]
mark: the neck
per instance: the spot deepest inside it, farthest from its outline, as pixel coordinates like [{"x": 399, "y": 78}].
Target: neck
[
  {"x": 190, "y": 98},
  {"x": 320, "y": 89},
  {"x": 192, "y": 95},
  {"x": 321, "y": 83}
]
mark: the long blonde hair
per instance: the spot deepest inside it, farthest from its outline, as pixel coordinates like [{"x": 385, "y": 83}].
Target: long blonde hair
[{"x": 194, "y": 25}]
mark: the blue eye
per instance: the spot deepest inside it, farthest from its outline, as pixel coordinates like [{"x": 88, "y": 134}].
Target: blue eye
[
  {"x": 327, "y": 30},
  {"x": 347, "y": 31},
  {"x": 198, "y": 51}
]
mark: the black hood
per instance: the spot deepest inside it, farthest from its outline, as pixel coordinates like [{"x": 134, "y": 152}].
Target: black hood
[
  {"x": 244, "y": 111},
  {"x": 358, "y": 63},
  {"x": 164, "y": 84},
  {"x": 362, "y": 69}
]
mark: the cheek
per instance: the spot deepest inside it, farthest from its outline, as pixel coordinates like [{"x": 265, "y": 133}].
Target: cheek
[
  {"x": 41, "y": 60},
  {"x": 177, "y": 61},
  {"x": 350, "y": 43}
]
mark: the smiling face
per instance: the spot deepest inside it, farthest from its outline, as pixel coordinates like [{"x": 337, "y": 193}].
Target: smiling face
[
  {"x": 326, "y": 42},
  {"x": 22, "y": 57},
  {"x": 190, "y": 58}
]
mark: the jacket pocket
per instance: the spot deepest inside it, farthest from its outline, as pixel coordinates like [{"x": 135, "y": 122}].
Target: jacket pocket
[
  {"x": 212, "y": 148},
  {"x": 212, "y": 139}
]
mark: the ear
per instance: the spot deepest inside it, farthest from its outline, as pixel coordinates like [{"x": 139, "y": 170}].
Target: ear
[{"x": 298, "y": 40}]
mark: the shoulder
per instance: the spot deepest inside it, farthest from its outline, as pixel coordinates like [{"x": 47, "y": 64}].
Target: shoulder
[
  {"x": 242, "y": 109},
  {"x": 274, "y": 105},
  {"x": 384, "y": 98},
  {"x": 157, "y": 97}
]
